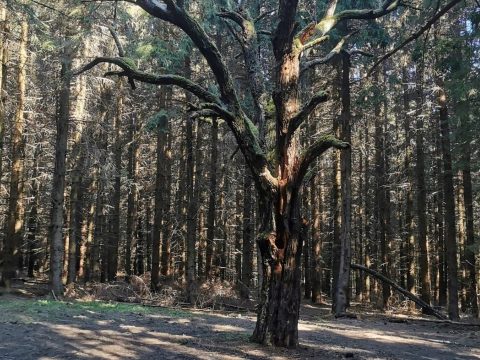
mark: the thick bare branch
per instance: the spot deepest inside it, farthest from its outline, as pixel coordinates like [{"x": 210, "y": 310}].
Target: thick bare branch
[
  {"x": 264, "y": 32},
  {"x": 247, "y": 38},
  {"x": 369, "y": 14},
  {"x": 331, "y": 20},
  {"x": 167, "y": 10},
  {"x": 121, "y": 52},
  {"x": 330, "y": 56},
  {"x": 331, "y": 7},
  {"x": 118, "y": 43},
  {"x": 203, "y": 113},
  {"x": 314, "y": 42},
  {"x": 232, "y": 15},
  {"x": 220, "y": 110},
  {"x": 415, "y": 35},
  {"x": 263, "y": 15},
  {"x": 130, "y": 71},
  {"x": 235, "y": 34},
  {"x": 307, "y": 109},
  {"x": 243, "y": 129},
  {"x": 322, "y": 144}
]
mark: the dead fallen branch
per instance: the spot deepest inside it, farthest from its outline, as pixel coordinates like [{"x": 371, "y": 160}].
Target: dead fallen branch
[
  {"x": 427, "y": 309},
  {"x": 446, "y": 322}
]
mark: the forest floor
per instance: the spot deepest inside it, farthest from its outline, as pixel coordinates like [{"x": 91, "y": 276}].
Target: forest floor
[{"x": 42, "y": 328}]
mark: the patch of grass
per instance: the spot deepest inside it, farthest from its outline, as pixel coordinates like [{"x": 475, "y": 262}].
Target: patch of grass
[
  {"x": 113, "y": 307},
  {"x": 27, "y": 311}
]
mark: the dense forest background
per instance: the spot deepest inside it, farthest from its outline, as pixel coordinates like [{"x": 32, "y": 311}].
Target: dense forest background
[{"x": 150, "y": 179}]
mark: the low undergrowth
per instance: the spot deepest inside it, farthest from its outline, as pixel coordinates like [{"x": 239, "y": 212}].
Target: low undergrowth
[{"x": 21, "y": 310}]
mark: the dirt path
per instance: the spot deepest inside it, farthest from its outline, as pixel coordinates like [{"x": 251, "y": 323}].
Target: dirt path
[{"x": 44, "y": 329}]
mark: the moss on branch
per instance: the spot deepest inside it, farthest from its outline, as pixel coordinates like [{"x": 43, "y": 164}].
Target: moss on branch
[
  {"x": 331, "y": 20},
  {"x": 131, "y": 71},
  {"x": 314, "y": 151},
  {"x": 305, "y": 112}
]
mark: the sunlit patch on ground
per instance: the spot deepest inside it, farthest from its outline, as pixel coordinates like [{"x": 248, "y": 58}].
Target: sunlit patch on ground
[{"x": 95, "y": 330}]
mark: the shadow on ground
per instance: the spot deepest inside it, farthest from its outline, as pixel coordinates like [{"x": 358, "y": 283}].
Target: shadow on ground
[{"x": 44, "y": 329}]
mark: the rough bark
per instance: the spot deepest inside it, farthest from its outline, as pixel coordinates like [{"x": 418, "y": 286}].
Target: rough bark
[
  {"x": 100, "y": 233},
  {"x": 409, "y": 196},
  {"x": 440, "y": 221},
  {"x": 317, "y": 203},
  {"x": 238, "y": 235},
  {"x": 15, "y": 214},
  {"x": 360, "y": 246},
  {"x": 32, "y": 223},
  {"x": 87, "y": 267},
  {"x": 202, "y": 241},
  {"x": 247, "y": 235},
  {"x": 336, "y": 205},
  {"x": 368, "y": 206},
  {"x": 4, "y": 53},
  {"x": 181, "y": 208},
  {"x": 423, "y": 261},
  {"x": 58, "y": 186},
  {"x": 159, "y": 199},
  {"x": 472, "y": 297},
  {"x": 76, "y": 190},
  {"x": 148, "y": 236},
  {"x": 307, "y": 267},
  {"x": 140, "y": 246},
  {"x": 343, "y": 282},
  {"x": 212, "y": 199},
  {"x": 461, "y": 236},
  {"x": 449, "y": 203},
  {"x": 198, "y": 191},
  {"x": 277, "y": 318},
  {"x": 223, "y": 231},
  {"x": 385, "y": 223},
  {"x": 132, "y": 194},
  {"x": 380, "y": 195},
  {"x": 117, "y": 186},
  {"x": 166, "y": 255},
  {"x": 100, "y": 253},
  {"x": 192, "y": 208}
]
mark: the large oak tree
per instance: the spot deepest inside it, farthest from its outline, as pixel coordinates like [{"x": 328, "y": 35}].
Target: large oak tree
[{"x": 279, "y": 184}]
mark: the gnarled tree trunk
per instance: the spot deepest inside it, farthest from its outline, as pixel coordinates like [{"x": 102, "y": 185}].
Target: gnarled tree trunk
[
  {"x": 277, "y": 321},
  {"x": 279, "y": 190}
]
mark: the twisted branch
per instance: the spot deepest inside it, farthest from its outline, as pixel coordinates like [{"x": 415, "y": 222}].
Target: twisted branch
[
  {"x": 331, "y": 20},
  {"x": 130, "y": 71},
  {"x": 305, "y": 112},
  {"x": 322, "y": 144}
]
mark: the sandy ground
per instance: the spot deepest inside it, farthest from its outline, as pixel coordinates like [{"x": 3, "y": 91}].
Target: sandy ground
[{"x": 41, "y": 329}]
